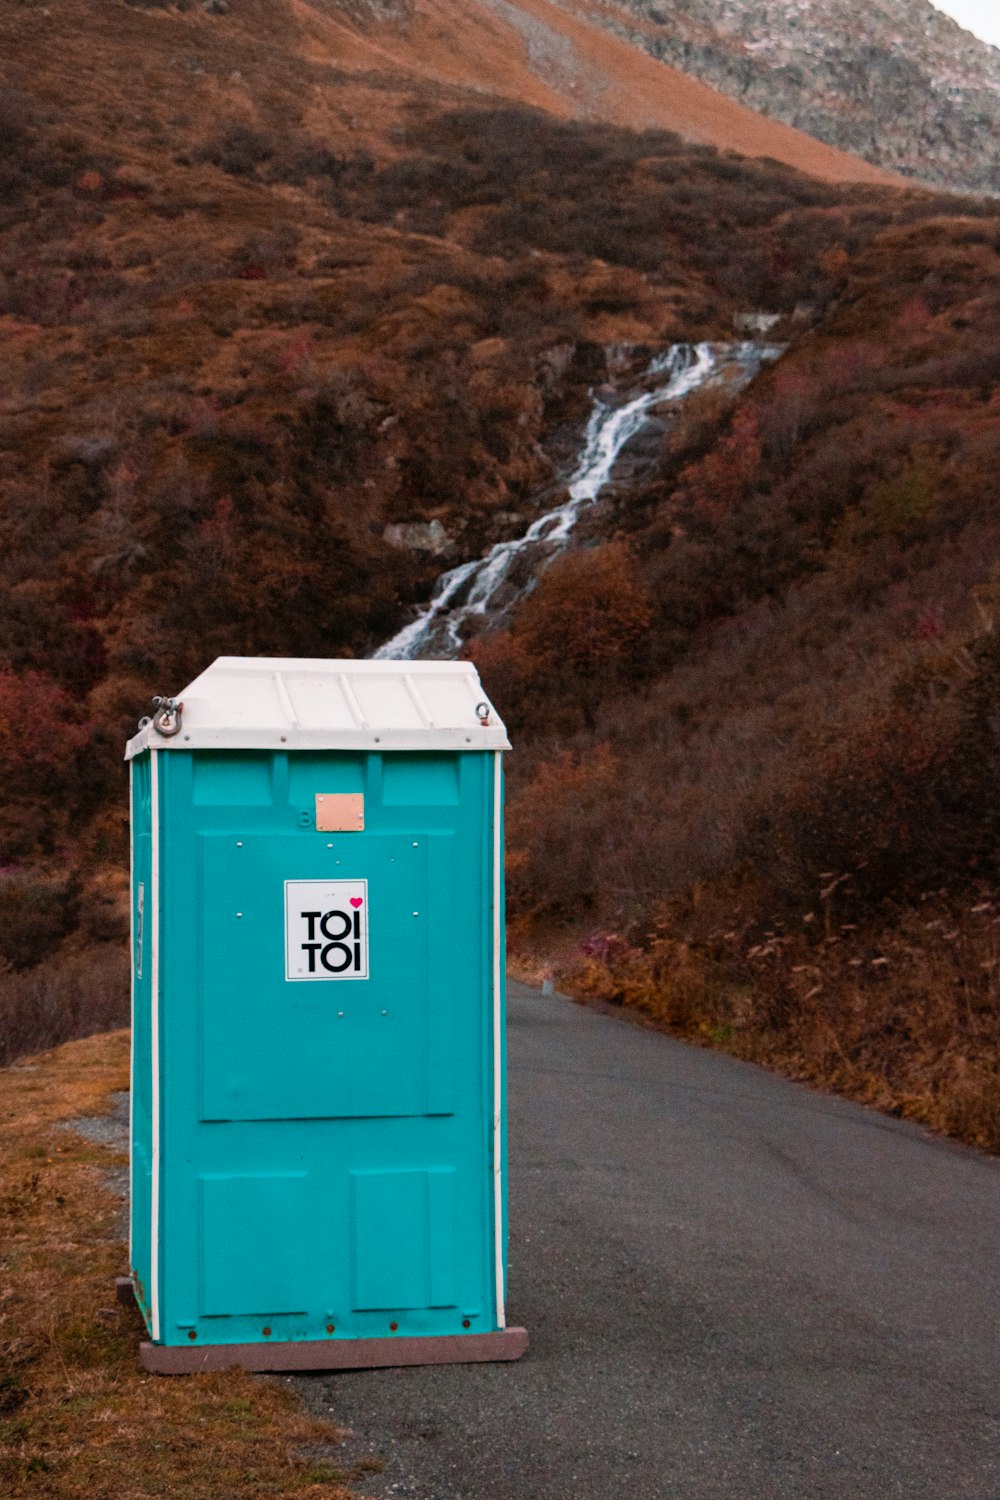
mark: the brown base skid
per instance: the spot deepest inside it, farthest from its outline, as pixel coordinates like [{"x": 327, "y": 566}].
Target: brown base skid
[
  {"x": 336, "y": 1354},
  {"x": 331, "y": 1354},
  {"x": 125, "y": 1291}
]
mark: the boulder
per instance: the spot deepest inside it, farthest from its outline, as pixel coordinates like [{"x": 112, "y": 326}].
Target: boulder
[{"x": 418, "y": 536}]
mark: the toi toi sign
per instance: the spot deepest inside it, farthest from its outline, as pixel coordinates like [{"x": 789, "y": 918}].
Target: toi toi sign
[{"x": 326, "y": 929}]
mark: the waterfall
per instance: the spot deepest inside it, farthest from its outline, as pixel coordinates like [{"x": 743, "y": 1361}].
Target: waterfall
[{"x": 485, "y": 585}]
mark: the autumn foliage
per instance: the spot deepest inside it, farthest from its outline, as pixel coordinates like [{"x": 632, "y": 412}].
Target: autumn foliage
[
  {"x": 241, "y": 347},
  {"x": 798, "y": 856},
  {"x": 579, "y": 636}
]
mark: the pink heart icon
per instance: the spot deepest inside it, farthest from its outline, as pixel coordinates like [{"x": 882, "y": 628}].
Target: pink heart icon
[{"x": 356, "y": 901}]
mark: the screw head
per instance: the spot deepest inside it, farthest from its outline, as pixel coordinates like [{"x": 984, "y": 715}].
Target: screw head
[
  {"x": 266, "y": 1332},
  {"x": 393, "y": 1327}
]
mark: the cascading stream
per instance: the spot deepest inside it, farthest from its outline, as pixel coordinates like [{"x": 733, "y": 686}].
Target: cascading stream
[{"x": 485, "y": 585}]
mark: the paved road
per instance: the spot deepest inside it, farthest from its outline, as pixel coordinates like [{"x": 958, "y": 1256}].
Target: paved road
[{"x": 736, "y": 1290}]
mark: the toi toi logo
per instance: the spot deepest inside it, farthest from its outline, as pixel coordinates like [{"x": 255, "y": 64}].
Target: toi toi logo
[{"x": 326, "y": 929}]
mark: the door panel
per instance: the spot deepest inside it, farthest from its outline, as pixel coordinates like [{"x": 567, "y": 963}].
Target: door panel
[
  {"x": 254, "y": 1243},
  {"x": 403, "y": 1239},
  {"x": 342, "y": 1046}
]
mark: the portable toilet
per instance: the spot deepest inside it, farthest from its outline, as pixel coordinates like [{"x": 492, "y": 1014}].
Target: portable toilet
[{"x": 318, "y": 1084}]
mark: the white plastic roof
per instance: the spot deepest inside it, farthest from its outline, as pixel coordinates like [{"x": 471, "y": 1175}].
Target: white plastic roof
[{"x": 275, "y": 703}]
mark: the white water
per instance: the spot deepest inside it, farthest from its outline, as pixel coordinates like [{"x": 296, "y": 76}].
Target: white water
[{"x": 485, "y": 585}]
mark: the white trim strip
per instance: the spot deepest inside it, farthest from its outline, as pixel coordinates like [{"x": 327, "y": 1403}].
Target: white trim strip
[
  {"x": 153, "y": 920},
  {"x": 131, "y": 1034},
  {"x": 498, "y": 1043},
  {"x": 358, "y": 737}
]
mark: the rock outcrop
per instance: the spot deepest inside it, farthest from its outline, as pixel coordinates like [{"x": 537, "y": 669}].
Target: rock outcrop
[{"x": 894, "y": 81}]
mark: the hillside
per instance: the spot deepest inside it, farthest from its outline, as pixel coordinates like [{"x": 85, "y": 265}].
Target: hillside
[
  {"x": 756, "y": 792},
  {"x": 347, "y": 70},
  {"x": 893, "y": 81},
  {"x": 305, "y": 286}
]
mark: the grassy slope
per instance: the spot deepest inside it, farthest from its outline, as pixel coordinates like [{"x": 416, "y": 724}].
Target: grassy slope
[
  {"x": 77, "y": 1416},
  {"x": 272, "y": 299}
]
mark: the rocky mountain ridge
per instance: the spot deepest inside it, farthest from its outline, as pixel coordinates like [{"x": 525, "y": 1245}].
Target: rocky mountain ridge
[{"x": 894, "y": 81}]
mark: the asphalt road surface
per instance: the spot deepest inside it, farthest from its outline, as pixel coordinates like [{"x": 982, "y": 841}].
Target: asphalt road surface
[{"x": 736, "y": 1289}]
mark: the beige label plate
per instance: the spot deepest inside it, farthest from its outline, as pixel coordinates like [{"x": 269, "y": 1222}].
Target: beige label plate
[{"x": 340, "y": 812}]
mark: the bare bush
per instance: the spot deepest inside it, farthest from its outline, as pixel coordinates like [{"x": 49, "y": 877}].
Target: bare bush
[
  {"x": 71, "y": 996},
  {"x": 906, "y": 1018}
]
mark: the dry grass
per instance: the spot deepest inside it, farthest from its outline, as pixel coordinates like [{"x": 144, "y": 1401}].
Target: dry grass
[
  {"x": 77, "y": 1416},
  {"x": 901, "y": 1015},
  {"x": 70, "y": 996}
]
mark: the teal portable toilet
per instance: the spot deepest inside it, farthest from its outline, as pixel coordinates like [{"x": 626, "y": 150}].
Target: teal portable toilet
[{"x": 318, "y": 1163}]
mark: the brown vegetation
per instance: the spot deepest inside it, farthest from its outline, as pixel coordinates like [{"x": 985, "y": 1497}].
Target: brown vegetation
[
  {"x": 70, "y": 995},
  {"x": 901, "y": 1013},
  {"x": 783, "y": 833},
  {"x": 279, "y": 301},
  {"x": 241, "y": 338}
]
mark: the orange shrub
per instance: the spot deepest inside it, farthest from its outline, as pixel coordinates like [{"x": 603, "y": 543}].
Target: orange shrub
[
  {"x": 557, "y": 827},
  {"x": 578, "y": 636}
]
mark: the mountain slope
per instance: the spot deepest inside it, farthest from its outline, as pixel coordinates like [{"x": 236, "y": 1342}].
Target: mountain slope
[
  {"x": 538, "y": 52},
  {"x": 288, "y": 288},
  {"x": 755, "y": 793},
  {"x": 894, "y": 81},
  {"x": 361, "y": 61}
]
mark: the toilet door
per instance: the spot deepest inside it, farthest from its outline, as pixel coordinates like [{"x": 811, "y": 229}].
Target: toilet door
[{"x": 316, "y": 997}]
